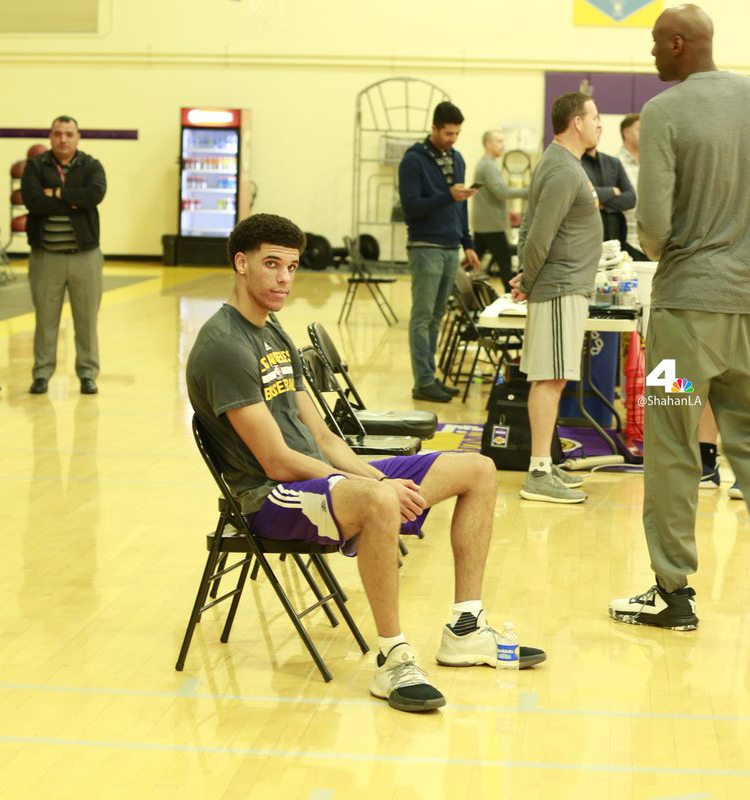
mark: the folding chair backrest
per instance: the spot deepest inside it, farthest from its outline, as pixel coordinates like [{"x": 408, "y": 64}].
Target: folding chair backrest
[
  {"x": 321, "y": 380},
  {"x": 358, "y": 264},
  {"x": 324, "y": 345},
  {"x": 203, "y": 441},
  {"x": 322, "y": 342},
  {"x": 484, "y": 292},
  {"x": 465, "y": 292}
]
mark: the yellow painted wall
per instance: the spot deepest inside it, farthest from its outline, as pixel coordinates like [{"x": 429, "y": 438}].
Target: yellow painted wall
[{"x": 298, "y": 65}]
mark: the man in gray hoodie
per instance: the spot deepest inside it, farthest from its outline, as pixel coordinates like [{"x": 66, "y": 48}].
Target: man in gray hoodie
[{"x": 692, "y": 214}]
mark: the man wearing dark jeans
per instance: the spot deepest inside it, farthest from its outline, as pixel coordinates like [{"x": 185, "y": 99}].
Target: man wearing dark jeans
[{"x": 433, "y": 195}]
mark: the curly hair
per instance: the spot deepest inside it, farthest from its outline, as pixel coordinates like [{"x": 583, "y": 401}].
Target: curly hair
[{"x": 253, "y": 231}]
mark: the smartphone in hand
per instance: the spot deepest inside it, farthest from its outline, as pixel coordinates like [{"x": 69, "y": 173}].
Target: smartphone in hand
[{"x": 476, "y": 186}]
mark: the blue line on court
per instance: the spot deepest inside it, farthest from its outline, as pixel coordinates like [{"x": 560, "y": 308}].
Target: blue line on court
[
  {"x": 527, "y": 702},
  {"x": 313, "y": 755}
]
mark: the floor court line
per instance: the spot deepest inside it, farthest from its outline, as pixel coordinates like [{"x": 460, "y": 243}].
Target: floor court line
[
  {"x": 527, "y": 702},
  {"x": 311, "y": 755}
]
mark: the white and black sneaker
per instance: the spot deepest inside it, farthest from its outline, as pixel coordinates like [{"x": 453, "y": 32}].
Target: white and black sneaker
[
  {"x": 674, "y": 611},
  {"x": 403, "y": 683}
]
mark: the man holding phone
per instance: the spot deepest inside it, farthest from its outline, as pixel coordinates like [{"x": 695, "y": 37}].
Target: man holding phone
[
  {"x": 433, "y": 195},
  {"x": 489, "y": 210}
]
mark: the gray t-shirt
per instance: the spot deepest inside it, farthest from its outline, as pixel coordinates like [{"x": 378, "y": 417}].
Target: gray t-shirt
[
  {"x": 560, "y": 241},
  {"x": 693, "y": 197},
  {"x": 489, "y": 210},
  {"x": 233, "y": 364}
]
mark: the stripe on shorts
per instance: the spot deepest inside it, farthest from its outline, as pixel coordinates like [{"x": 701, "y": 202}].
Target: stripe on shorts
[{"x": 558, "y": 349}]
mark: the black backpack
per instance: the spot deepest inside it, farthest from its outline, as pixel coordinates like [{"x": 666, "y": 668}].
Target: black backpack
[{"x": 506, "y": 436}]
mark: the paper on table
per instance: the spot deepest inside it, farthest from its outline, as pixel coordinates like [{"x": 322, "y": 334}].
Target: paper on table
[{"x": 504, "y": 306}]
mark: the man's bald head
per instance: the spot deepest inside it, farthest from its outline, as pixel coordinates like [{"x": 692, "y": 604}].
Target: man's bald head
[{"x": 683, "y": 42}]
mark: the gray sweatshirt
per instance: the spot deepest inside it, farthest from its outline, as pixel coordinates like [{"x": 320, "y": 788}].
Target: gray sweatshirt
[
  {"x": 694, "y": 193},
  {"x": 560, "y": 242},
  {"x": 489, "y": 211}
]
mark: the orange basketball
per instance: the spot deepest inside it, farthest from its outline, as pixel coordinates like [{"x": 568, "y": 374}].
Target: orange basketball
[
  {"x": 36, "y": 150},
  {"x": 16, "y": 198}
]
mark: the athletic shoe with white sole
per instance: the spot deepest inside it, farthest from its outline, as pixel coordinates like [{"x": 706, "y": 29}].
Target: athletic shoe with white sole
[
  {"x": 674, "y": 611},
  {"x": 480, "y": 647},
  {"x": 403, "y": 683},
  {"x": 544, "y": 486},
  {"x": 735, "y": 492},
  {"x": 571, "y": 481},
  {"x": 710, "y": 477}
]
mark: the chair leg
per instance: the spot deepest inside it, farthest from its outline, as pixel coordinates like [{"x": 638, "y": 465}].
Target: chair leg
[
  {"x": 215, "y": 585},
  {"x": 346, "y": 306},
  {"x": 235, "y": 600},
  {"x": 295, "y": 619},
  {"x": 330, "y": 581},
  {"x": 382, "y": 302},
  {"x": 200, "y": 599},
  {"x": 314, "y": 588},
  {"x": 402, "y": 547}
]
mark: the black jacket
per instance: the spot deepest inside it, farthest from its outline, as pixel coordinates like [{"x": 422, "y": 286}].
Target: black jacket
[
  {"x": 606, "y": 172},
  {"x": 432, "y": 215},
  {"x": 85, "y": 186}
]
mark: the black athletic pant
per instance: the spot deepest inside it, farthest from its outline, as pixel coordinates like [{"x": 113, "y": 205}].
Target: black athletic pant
[{"x": 497, "y": 244}]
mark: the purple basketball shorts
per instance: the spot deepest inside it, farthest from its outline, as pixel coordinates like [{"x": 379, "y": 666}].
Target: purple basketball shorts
[{"x": 303, "y": 511}]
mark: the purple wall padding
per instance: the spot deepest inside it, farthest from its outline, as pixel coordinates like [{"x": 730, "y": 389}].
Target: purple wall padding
[
  {"x": 86, "y": 133},
  {"x": 614, "y": 92}
]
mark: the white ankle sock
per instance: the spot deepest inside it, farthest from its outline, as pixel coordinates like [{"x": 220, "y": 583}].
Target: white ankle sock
[
  {"x": 387, "y": 643},
  {"x": 543, "y": 463}
]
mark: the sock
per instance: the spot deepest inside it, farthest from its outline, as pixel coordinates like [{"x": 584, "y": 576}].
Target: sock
[
  {"x": 464, "y": 617},
  {"x": 540, "y": 463},
  {"x": 708, "y": 454},
  {"x": 387, "y": 643}
]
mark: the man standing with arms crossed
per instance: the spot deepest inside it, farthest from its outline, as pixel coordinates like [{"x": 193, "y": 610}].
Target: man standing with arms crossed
[
  {"x": 62, "y": 188},
  {"x": 559, "y": 246},
  {"x": 693, "y": 212},
  {"x": 433, "y": 195},
  {"x": 629, "y": 155}
]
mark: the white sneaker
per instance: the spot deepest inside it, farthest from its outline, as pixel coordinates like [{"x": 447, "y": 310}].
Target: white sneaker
[
  {"x": 480, "y": 647},
  {"x": 403, "y": 683},
  {"x": 735, "y": 492},
  {"x": 672, "y": 610}
]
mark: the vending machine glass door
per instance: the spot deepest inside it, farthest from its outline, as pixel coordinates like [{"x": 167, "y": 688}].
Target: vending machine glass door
[{"x": 208, "y": 181}]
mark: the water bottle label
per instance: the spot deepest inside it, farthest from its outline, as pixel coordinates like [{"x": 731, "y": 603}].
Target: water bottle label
[{"x": 507, "y": 653}]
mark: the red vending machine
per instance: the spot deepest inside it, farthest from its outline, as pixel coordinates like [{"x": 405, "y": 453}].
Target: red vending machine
[{"x": 215, "y": 185}]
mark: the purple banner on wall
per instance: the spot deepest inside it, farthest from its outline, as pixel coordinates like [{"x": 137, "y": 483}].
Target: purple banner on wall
[{"x": 86, "y": 133}]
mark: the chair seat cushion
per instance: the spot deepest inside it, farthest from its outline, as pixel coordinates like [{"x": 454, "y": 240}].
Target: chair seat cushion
[
  {"x": 384, "y": 445},
  {"x": 421, "y": 424}
]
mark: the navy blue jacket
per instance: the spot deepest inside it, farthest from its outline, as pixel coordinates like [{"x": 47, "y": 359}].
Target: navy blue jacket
[
  {"x": 432, "y": 215},
  {"x": 85, "y": 187}
]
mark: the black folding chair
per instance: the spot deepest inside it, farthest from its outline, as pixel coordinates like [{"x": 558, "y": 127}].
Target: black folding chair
[
  {"x": 321, "y": 381},
  {"x": 362, "y": 276},
  {"x": 233, "y": 535},
  {"x": 393, "y": 423}
]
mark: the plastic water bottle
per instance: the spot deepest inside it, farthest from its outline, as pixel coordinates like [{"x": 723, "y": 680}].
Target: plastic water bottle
[{"x": 508, "y": 648}]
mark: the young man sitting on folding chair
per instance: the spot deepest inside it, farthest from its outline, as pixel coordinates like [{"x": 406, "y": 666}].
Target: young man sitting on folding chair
[{"x": 295, "y": 479}]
